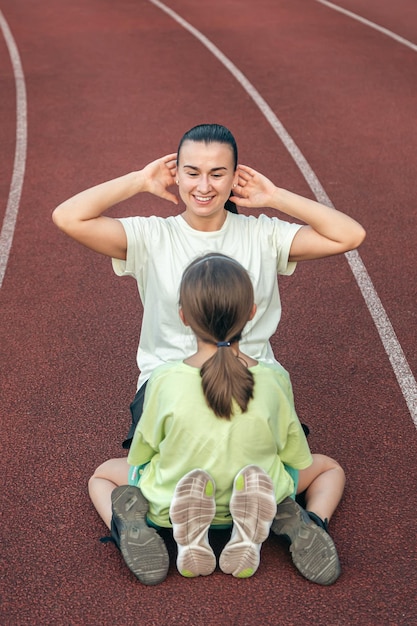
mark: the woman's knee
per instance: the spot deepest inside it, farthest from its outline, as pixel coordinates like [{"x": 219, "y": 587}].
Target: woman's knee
[
  {"x": 325, "y": 463},
  {"x": 115, "y": 470},
  {"x": 329, "y": 464},
  {"x": 102, "y": 470},
  {"x": 321, "y": 465}
]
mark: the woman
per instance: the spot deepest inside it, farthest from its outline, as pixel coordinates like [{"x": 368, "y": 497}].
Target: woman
[{"x": 155, "y": 250}]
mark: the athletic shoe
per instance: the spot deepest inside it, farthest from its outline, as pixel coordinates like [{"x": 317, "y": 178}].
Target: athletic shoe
[
  {"x": 253, "y": 506},
  {"x": 143, "y": 550},
  {"x": 323, "y": 523},
  {"x": 192, "y": 510},
  {"x": 312, "y": 549}
]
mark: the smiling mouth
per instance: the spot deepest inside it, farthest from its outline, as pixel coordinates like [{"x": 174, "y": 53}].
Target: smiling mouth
[{"x": 203, "y": 199}]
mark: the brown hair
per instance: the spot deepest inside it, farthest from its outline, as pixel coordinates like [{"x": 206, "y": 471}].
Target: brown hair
[{"x": 216, "y": 296}]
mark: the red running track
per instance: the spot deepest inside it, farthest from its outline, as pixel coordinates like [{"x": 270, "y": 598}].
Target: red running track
[{"x": 111, "y": 86}]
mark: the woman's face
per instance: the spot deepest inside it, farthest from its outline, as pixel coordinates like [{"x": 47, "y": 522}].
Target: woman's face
[{"x": 205, "y": 174}]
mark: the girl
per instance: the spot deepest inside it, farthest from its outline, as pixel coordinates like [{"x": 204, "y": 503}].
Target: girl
[
  {"x": 233, "y": 416},
  {"x": 155, "y": 251}
]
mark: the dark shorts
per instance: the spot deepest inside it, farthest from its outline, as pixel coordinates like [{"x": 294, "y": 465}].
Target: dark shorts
[{"x": 136, "y": 409}]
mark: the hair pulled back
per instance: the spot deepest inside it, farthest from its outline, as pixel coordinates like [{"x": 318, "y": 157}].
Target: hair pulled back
[
  {"x": 213, "y": 133},
  {"x": 216, "y": 296}
]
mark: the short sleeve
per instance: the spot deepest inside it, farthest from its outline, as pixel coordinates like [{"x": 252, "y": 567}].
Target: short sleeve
[
  {"x": 135, "y": 229},
  {"x": 284, "y": 233}
]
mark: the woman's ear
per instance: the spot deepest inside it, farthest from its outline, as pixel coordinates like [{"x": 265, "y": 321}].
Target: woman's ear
[
  {"x": 181, "y": 313},
  {"x": 253, "y": 312},
  {"x": 235, "y": 179}
]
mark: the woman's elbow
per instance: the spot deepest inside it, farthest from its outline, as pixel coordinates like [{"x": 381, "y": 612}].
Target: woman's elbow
[
  {"x": 57, "y": 216},
  {"x": 358, "y": 238},
  {"x": 61, "y": 218}
]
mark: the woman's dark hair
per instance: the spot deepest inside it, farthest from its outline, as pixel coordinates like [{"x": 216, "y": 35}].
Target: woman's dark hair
[
  {"x": 213, "y": 133},
  {"x": 216, "y": 297}
]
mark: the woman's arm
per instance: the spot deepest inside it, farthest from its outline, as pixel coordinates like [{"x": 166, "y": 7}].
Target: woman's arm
[
  {"x": 327, "y": 230},
  {"x": 81, "y": 217}
]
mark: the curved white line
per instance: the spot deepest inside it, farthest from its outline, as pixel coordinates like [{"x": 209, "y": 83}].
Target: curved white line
[
  {"x": 12, "y": 208},
  {"x": 386, "y": 332},
  {"x": 381, "y": 29}
]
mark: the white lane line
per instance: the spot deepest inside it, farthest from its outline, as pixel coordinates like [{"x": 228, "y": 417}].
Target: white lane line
[
  {"x": 12, "y": 208},
  {"x": 386, "y": 332},
  {"x": 363, "y": 20}
]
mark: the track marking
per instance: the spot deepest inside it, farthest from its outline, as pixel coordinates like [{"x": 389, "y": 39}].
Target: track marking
[
  {"x": 363, "y": 20},
  {"x": 12, "y": 208},
  {"x": 400, "y": 366}
]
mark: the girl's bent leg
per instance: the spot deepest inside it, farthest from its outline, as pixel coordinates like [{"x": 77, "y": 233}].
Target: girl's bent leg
[
  {"x": 143, "y": 550},
  {"x": 312, "y": 549},
  {"x": 106, "y": 478},
  {"x": 123, "y": 509}
]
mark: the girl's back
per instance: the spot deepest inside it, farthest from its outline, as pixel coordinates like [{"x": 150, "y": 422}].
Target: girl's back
[{"x": 179, "y": 432}]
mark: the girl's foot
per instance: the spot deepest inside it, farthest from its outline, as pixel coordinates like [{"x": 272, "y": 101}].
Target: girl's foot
[
  {"x": 253, "y": 507},
  {"x": 192, "y": 510}
]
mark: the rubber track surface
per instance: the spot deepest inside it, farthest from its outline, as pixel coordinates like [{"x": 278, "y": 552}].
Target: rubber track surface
[{"x": 111, "y": 86}]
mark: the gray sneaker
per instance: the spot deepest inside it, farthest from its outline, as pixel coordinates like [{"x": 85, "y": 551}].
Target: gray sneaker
[
  {"x": 143, "y": 550},
  {"x": 312, "y": 550}
]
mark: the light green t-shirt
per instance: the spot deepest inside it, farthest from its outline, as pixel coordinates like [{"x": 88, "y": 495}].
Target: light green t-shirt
[{"x": 178, "y": 433}]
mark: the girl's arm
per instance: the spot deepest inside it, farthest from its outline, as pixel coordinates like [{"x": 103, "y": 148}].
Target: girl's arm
[
  {"x": 327, "y": 230},
  {"x": 81, "y": 217}
]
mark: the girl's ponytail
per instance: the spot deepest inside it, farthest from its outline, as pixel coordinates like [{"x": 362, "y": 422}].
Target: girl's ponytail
[
  {"x": 216, "y": 296},
  {"x": 225, "y": 378}
]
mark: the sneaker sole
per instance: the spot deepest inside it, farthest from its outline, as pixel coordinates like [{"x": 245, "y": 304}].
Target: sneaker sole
[
  {"x": 253, "y": 507},
  {"x": 192, "y": 510},
  {"x": 312, "y": 549},
  {"x": 143, "y": 550}
]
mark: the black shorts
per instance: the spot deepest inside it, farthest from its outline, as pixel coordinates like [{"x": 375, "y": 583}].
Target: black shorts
[{"x": 136, "y": 409}]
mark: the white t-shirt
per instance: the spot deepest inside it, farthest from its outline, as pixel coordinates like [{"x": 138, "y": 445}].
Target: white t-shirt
[{"x": 158, "y": 251}]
